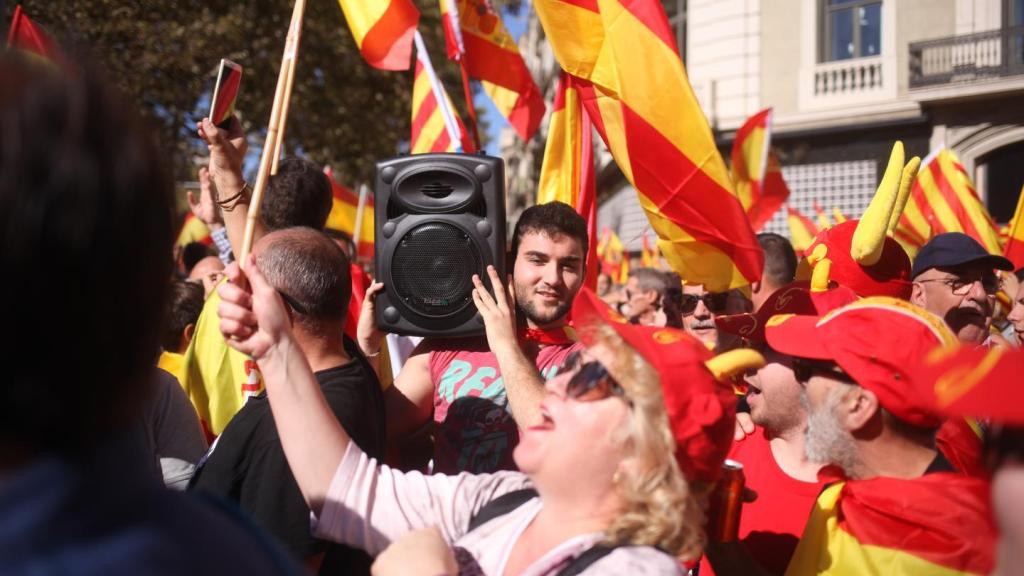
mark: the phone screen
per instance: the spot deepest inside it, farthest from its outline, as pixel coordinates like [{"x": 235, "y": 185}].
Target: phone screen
[{"x": 229, "y": 78}]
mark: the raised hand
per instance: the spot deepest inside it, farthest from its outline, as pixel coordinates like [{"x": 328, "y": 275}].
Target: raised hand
[
  {"x": 227, "y": 154},
  {"x": 498, "y": 313},
  {"x": 368, "y": 333},
  {"x": 255, "y": 321},
  {"x": 204, "y": 207}
]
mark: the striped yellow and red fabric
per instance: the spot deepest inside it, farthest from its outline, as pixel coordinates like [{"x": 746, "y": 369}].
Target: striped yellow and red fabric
[
  {"x": 634, "y": 88},
  {"x": 428, "y": 129},
  {"x": 1015, "y": 236},
  {"x": 801, "y": 230},
  {"x": 937, "y": 525},
  {"x": 25, "y": 35},
  {"x": 193, "y": 230},
  {"x": 490, "y": 54},
  {"x": 567, "y": 173},
  {"x": 755, "y": 170},
  {"x": 343, "y": 217},
  {"x": 944, "y": 200},
  {"x": 649, "y": 256},
  {"x": 613, "y": 257},
  {"x": 383, "y": 30}
]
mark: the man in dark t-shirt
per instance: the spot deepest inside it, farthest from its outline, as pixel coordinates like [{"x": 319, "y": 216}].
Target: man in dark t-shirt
[{"x": 247, "y": 464}]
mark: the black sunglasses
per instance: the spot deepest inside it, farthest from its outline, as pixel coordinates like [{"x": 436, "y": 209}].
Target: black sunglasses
[
  {"x": 804, "y": 369},
  {"x": 591, "y": 381},
  {"x": 715, "y": 302}
]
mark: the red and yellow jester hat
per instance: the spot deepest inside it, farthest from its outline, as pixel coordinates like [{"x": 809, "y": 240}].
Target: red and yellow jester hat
[{"x": 861, "y": 254}]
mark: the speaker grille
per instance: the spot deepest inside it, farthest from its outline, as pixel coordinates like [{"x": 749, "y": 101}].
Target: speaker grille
[{"x": 431, "y": 269}]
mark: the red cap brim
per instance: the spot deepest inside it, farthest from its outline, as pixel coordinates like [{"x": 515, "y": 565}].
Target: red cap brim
[{"x": 797, "y": 336}]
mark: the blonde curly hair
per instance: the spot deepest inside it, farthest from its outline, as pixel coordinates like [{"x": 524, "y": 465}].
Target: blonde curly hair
[{"x": 659, "y": 506}]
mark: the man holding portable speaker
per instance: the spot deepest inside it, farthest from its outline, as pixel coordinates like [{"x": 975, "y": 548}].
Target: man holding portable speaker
[{"x": 490, "y": 340}]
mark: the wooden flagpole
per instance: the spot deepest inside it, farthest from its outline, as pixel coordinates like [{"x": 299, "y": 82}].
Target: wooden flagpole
[{"x": 274, "y": 128}]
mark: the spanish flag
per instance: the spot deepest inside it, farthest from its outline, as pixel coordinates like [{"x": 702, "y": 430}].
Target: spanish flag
[
  {"x": 937, "y": 525},
  {"x": 193, "y": 230},
  {"x": 755, "y": 170},
  {"x": 567, "y": 173},
  {"x": 943, "y": 200},
  {"x": 801, "y": 230},
  {"x": 383, "y": 30},
  {"x": 25, "y": 35},
  {"x": 632, "y": 84},
  {"x": 649, "y": 256},
  {"x": 343, "y": 217},
  {"x": 613, "y": 257},
  {"x": 476, "y": 35},
  {"x": 429, "y": 131},
  {"x": 1015, "y": 237}
]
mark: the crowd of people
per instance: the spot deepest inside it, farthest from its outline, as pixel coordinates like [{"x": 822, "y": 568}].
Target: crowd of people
[{"x": 231, "y": 417}]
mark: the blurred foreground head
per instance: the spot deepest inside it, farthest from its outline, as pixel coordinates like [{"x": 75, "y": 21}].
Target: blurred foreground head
[{"x": 85, "y": 228}]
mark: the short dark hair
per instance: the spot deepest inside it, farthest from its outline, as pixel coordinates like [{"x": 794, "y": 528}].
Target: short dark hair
[
  {"x": 193, "y": 253},
  {"x": 551, "y": 218},
  {"x": 311, "y": 270},
  {"x": 183, "y": 308},
  {"x": 86, "y": 223},
  {"x": 779, "y": 259},
  {"x": 298, "y": 195}
]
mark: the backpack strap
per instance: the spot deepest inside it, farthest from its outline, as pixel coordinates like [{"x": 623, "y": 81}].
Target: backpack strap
[
  {"x": 500, "y": 506},
  {"x": 506, "y": 503}
]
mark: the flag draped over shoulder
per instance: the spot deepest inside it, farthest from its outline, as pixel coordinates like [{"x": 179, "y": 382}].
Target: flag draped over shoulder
[
  {"x": 944, "y": 200},
  {"x": 1015, "y": 235},
  {"x": 429, "y": 133},
  {"x": 632, "y": 84},
  {"x": 489, "y": 54},
  {"x": 343, "y": 217},
  {"x": 939, "y": 524},
  {"x": 383, "y": 30},
  {"x": 755, "y": 170},
  {"x": 567, "y": 173},
  {"x": 25, "y": 35},
  {"x": 801, "y": 229}
]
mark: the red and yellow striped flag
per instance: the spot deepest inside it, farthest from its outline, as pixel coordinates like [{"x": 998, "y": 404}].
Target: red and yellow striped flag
[
  {"x": 383, "y": 30},
  {"x": 649, "y": 256},
  {"x": 801, "y": 230},
  {"x": 1015, "y": 237},
  {"x": 25, "y": 35},
  {"x": 343, "y": 217},
  {"x": 943, "y": 200},
  {"x": 490, "y": 54},
  {"x": 429, "y": 133},
  {"x": 567, "y": 173},
  {"x": 613, "y": 257},
  {"x": 755, "y": 170},
  {"x": 633, "y": 87},
  {"x": 939, "y": 524},
  {"x": 193, "y": 230}
]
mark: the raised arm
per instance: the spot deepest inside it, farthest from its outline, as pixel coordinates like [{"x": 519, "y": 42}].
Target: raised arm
[
  {"x": 257, "y": 324},
  {"x": 227, "y": 154}
]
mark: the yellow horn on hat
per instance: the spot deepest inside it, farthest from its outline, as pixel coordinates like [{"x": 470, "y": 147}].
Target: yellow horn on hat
[
  {"x": 906, "y": 183},
  {"x": 869, "y": 237},
  {"x": 820, "y": 275},
  {"x": 733, "y": 362}
]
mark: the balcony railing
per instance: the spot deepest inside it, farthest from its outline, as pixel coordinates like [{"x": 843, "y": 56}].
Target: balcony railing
[
  {"x": 967, "y": 58},
  {"x": 845, "y": 77}
]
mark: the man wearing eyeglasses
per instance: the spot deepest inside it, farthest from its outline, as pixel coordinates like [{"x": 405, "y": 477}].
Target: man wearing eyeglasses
[
  {"x": 700, "y": 308},
  {"x": 954, "y": 277}
]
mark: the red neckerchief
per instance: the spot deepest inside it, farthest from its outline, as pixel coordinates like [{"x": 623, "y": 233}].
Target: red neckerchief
[{"x": 554, "y": 336}]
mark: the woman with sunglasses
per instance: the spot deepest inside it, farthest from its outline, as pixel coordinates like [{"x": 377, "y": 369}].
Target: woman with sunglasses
[{"x": 604, "y": 491}]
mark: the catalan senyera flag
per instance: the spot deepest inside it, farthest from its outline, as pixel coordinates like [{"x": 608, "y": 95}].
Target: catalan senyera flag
[
  {"x": 567, "y": 172},
  {"x": 25, "y": 35},
  {"x": 383, "y": 30},
  {"x": 429, "y": 133},
  {"x": 937, "y": 525},
  {"x": 1015, "y": 236},
  {"x": 343, "y": 217},
  {"x": 944, "y": 200},
  {"x": 755, "y": 170},
  {"x": 801, "y": 230},
  {"x": 490, "y": 54},
  {"x": 634, "y": 88}
]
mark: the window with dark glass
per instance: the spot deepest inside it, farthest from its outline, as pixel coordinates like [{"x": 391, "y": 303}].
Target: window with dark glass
[
  {"x": 676, "y": 12},
  {"x": 852, "y": 29}
]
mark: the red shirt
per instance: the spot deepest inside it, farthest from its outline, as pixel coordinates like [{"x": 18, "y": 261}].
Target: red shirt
[{"x": 770, "y": 527}]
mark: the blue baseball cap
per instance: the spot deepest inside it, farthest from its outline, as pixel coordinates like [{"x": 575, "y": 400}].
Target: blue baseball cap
[{"x": 954, "y": 249}]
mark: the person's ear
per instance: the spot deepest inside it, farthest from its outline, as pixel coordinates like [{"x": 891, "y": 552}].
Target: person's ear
[
  {"x": 859, "y": 408},
  {"x": 186, "y": 336},
  {"x": 755, "y": 287},
  {"x": 917, "y": 296}
]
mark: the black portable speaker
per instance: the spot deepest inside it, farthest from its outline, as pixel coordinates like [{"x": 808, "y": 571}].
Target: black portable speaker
[{"x": 440, "y": 218}]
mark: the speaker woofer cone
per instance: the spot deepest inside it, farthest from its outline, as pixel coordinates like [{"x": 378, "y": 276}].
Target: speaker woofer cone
[{"x": 432, "y": 267}]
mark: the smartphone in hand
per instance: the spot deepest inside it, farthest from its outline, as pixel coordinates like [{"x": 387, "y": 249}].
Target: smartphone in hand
[{"x": 225, "y": 92}]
